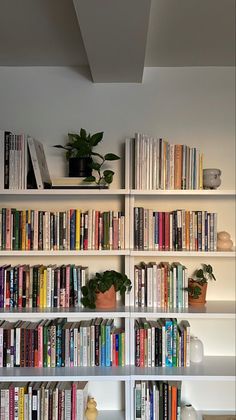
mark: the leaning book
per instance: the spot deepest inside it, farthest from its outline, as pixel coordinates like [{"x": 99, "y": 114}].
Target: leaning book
[{"x": 39, "y": 164}]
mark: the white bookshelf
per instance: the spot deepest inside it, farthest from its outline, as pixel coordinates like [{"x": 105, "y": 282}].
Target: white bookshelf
[
  {"x": 214, "y": 368},
  {"x": 217, "y": 368},
  {"x": 184, "y": 193}
]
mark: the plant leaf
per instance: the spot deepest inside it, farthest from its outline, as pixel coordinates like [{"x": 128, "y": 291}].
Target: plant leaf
[
  {"x": 108, "y": 172},
  {"x": 89, "y": 179},
  {"x": 95, "y": 165},
  {"x": 83, "y": 133},
  {"x": 96, "y": 138},
  {"x": 108, "y": 178},
  {"x": 59, "y": 146},
  {"x": 111, "y": 156}
]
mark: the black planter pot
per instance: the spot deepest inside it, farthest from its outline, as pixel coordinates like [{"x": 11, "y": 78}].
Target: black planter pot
[{"x": 80, "y": 167}]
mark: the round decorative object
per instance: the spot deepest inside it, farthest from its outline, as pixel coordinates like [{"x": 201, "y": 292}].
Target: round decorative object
[
  {"x": 91, "y": 412},
  {"x": 196, "y": 350},
  {"x": 211, "y": 178},
  {"x": 224, "y": 243},
  {"x": 188, "y": 413}
]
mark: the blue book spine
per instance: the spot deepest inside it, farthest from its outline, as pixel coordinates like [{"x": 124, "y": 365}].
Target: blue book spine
[
  {"x": 151, "y": 404},
  {"x": 156, "y": 228},
  {"x": 72, "y": 230},
  {"x": 108, "y": 345},
  {"x": 169, "y": 347},
  {"x": 71, "y": 348}
]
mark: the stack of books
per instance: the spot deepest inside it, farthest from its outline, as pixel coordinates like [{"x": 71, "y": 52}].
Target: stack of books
[
  {"x": 161, "y": 165},
  {"x": 40, "y": 286},
  {"x": 58, "y": 343},
  {"x": 161, "y": 286},
  {"x": 178, "y": 230},
  {"x": 157, "y": 400},
  {"x": 72, "y": 229},
  {"x": 43, "y": 400},
  {"x": 22, "y": 162},
  {"x": 162, "y": 343}
]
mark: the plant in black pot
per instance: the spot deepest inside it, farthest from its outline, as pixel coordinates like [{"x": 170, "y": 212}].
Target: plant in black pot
[
  {"x": 83, "y": 160},
  {"x": 100, "y": 291}
]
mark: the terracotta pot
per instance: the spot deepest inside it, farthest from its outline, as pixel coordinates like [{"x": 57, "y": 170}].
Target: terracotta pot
[
  {"x": 106, "y": 300},
  {"x": 201, "y": 300}
]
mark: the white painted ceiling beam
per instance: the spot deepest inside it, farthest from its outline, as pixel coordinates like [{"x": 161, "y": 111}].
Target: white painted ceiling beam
[{"x": 114, "y": 33}]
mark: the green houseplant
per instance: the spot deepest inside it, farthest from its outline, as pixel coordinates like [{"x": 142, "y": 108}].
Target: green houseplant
[
  {"x": 197, "y": 286},
  {"x": 83, "y": 159},
  {"x": 100, "y": 291}
]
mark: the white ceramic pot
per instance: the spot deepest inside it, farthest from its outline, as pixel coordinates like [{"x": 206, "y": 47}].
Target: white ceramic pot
[
  {"x": 188, "y": 413},
  {"x": 211, "y": 178},
  {"x": 196, "y": 350}
]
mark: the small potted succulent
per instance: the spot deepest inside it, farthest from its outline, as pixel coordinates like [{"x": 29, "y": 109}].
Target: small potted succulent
[
  {"x": 100, "y": 291},
  {"x": 83, "y": 160},
  {"x": 197, "y": 286}
]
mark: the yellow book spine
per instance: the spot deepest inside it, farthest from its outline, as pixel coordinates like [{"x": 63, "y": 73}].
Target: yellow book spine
[
  {"x": 44, "y": 288},
  {"x": 77, "y": 230},
  {"x": 21, "y": 403},
  {"x": 23, "y": 230},
  {"x": 41, "y": 297}
]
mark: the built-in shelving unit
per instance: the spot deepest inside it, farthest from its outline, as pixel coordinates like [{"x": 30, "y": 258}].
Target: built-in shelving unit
[{"x": 213, "y": 368}]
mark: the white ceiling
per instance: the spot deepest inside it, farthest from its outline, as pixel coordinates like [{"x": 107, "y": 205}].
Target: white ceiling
[{"x": 180, "y": 33}]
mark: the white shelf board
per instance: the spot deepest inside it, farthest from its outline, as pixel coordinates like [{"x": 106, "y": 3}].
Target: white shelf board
[
  {"x": 217, "y": 368},
  {"x": 183, "y": 192},
  {"x": 211, "y": 310},
  {"x": 65, "y": 374},
  {"x": 72, "y": 313},
  {"x": 64, "y": 253},
  {"x": 195, "y": 254},
  {"x": 111, "y": 415},
  {"x": 58, "y": 192}
]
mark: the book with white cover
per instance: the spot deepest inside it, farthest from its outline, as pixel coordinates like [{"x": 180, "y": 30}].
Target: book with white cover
[{"x": 39, "y": 163}]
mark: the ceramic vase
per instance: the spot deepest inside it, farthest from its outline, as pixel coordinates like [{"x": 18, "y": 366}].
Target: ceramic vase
[
  {"x": 106, "y": 300},
  {"x": 188, "y": 413},
  {"x": 211, "y": 178},
  {"x": 196, "y": 350},
  {"x": 201, "y": 300},
  {"x": 224, "y": 242},
  {"x": 91, "y": 412}
]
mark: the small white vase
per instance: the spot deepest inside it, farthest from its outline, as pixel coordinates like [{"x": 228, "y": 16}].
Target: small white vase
[
  {"x": 188, "y": 413},
  {"x": 196, "y": 350}
]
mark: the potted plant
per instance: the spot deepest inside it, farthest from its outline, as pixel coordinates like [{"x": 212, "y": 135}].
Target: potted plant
[
  {"x": 197, "y": 286},
  {"x": 83, "y": 160},
  {"x": 100, "y": 291}
]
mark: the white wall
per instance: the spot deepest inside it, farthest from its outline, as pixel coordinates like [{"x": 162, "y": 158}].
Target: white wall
[{"x": 185, "y": 105}]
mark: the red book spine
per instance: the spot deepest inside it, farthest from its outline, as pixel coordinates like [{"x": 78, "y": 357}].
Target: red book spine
[
  {"x": 97, "y": 214},
  {"x": 73, "y": 411},
  {"x": 160, "y": 230},
  {"x": 40, "y": 346},
  {"x": 167, "y": 231},
  {"x": 11, "y": 402},
  {"x": 142, "y": 340}
]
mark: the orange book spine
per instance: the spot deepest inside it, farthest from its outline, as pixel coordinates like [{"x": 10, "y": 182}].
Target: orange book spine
[
  {"x": 173, "y": 402},
  {"x": 178, "y": 166}
]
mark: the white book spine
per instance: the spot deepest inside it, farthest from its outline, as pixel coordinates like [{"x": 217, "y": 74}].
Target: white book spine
[
  {"x": 35, "y": 164},
  {"x": 154, "y": 285},
  {"x": 149, "y": 287}
]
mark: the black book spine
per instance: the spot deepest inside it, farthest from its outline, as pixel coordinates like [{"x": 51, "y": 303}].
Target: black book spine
[
  {"x": 34, "y": 405},
  {"x": 4, "y": 348},
  {"x": 63, "y": 350},
  {"x": 159, "y": 346},
  {"x": 136, "y": 228},
  {"x": 40, "y": 231},
  {"x": 97, "y": 349},
  {"x": 61, "y": 230},
  {"x": 3, "y": 229},
  {"x": 141, "y": 228},
  {"x": 156, "y": 346},
  {"x": 35, "y": 287},
  {"x": 24, "y": 289},
  {"x": 163, "y": 231},
  {"x": 165, "y": 400},
  {"x": 15, "y": 286},
  {"x": 137, "y": 347},
  {"x": 161, "y": 401}
]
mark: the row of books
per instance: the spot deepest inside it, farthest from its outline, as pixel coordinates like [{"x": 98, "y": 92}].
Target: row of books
[
  {"x": 43, "y": 400},
  {"x": 58, "y": 343},
  {"x": 39, "y": 286},
  {"x": 157, "y": 400},
  {"x": 161, "y": 285},
  {"x": 161, "y": 165},
  {"x": 22, "y": 162},
  {"x": 73, "y": 229},
  {"x": 162, "y": 343},
  {"x": 178, "y": 230}
]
